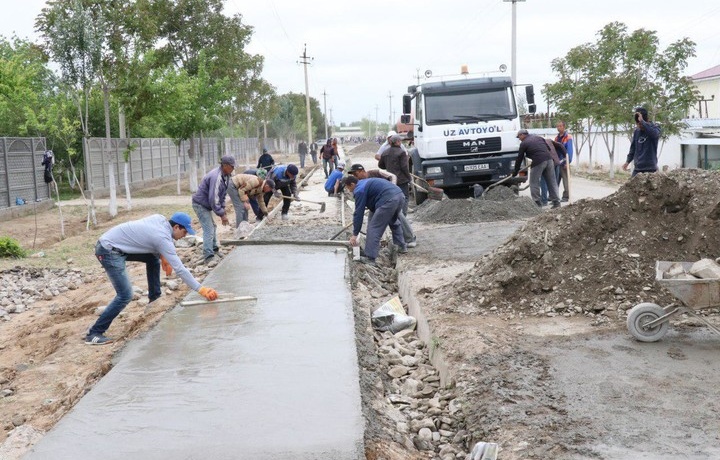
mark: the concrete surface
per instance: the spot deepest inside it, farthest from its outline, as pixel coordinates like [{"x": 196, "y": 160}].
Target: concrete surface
[{"x": 272, "y": 379}]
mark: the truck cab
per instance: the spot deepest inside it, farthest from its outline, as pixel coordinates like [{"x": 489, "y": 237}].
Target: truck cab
[{"x": 464, "y": 131}]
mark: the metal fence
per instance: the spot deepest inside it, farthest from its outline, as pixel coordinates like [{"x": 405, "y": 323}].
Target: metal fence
[
  {"x": 151, "y": 159},
  {"x": 21, "y": 171}
]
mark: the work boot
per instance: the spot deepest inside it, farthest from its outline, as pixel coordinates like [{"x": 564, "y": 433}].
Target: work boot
[
  {"x": 539, "y": 204},
  {"x": 565, "y": 199},
  {"x": 556, "y": 204},
  {"x": 402, "y": 249},
  {"x": 367, "y": 261}
]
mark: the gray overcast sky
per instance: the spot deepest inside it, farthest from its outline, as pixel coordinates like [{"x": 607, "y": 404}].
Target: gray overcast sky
[{"x": 364, "y": 51}]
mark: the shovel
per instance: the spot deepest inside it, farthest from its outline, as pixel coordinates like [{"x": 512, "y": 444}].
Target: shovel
[
  {"x": 500, "y": 182},
  {"x": 434, "y": 193},
  {"x": 322, "y": 205}
]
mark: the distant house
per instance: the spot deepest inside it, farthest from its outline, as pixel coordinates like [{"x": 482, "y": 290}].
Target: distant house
[
  {"x": 702, "y": 149},
  {"x": 708, "y": 84}
]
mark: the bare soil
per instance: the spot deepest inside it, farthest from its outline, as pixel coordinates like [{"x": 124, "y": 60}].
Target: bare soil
[{"x": 533, "y": 330}]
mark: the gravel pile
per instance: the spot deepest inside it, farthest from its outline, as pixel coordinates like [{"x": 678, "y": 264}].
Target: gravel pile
[
  {"x": 597, "y": 257},
  {"x": 499, "y": 203},
  {"x": 21, "y": 287}
]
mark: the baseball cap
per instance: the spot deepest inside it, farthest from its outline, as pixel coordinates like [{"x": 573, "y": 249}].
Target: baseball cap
[
  {"x": 391, "y": 133},
  {"x": 522, "y": 131},
  {"x": 270, "y": 183},
  {"x": 184, "y": 220},
  {"x": 341, "y": 164},
  {"x": 357, "y": 167},
  {"x": 227, "y": 160},
  {"x": 395, "y": 138},
  {"x": 292, "y": 169}
]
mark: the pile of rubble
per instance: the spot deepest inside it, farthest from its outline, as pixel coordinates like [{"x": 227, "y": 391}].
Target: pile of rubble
[
  {"x": 596, "y": 256},
  {"x": 21, "y": 288}
]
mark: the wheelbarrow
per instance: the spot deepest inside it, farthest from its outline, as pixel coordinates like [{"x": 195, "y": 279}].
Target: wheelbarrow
[{"x": 649, "y": 322}]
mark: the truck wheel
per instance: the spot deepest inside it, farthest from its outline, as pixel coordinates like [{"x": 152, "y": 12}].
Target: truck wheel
[
  {"x": 642, "y": 314},
  {"x": 417, "y": 196}
]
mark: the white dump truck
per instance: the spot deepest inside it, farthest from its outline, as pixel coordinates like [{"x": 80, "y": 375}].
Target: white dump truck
[{"x": 464, "y": 131}]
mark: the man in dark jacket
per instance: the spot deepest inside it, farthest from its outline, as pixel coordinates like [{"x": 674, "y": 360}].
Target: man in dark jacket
[
  {"x": 284, "y": 178},
  {"x": 210, "y": 198},
  {"x": 536, "y": 149},
  {"x": 385, "y": 200},
  {"x": 396, "y": 160},
  {"x": 302, "y": 152},
  {"x": 643, "y": 148},
  {"x": 265, "y": 161},
  {"x": 328, "y": 153}
]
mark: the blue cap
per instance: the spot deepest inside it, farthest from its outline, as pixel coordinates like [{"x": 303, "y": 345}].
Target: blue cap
[
  {"x": 292, "y": 169},
  {"x": 184, "y": 220}
]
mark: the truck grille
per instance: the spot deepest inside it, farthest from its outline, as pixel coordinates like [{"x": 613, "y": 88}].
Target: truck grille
[{"x": 470, "y": 146}]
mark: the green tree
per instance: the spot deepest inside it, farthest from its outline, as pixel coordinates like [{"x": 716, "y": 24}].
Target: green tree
[{"x": 600, "y": 83}]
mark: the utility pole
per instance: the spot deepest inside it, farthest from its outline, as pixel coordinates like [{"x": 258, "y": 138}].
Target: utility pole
[
  {"x": 417, "y": 75},
  {"x": 305, "y": 60},
  {"x": 391, "y": 117},
  {"x": 325, "y": 112},
  {"x": 513, "y": 67},
  {"x": 331, "y": 118}
]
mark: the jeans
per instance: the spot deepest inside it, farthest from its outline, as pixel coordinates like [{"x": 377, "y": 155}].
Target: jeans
[
  {"x": 209, "y": 230},
  {"x": 328, "y": 163},
  {"x": 407, "y": 230},
  {"x": 385, "y": 215},
  {"x": 406, "y": 191},
  {"x": 546, "y": 170},
  {"x": 241, "y": 213},
  {"x": 313, "y": 155},
  {"x": 302, "y": 159},
  {"x": 113, "y": 261}
]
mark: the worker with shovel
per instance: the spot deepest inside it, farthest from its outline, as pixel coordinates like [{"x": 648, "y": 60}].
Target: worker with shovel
[
  {"x": 333, "y": 184},
  {"x": 284, "y": 178},
  {"x": 361, "y": 173},
  {"x": 385, "y": 200},
  {"x": 243, "y": 189},
  {"x": 148, "y": 240}
]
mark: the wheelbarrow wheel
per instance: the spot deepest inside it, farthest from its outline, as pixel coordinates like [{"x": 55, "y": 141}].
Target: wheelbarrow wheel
[{"x": 642, "y": 314}]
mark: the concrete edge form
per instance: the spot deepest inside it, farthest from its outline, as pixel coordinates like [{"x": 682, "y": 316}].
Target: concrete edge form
[{"x": 424, "y": 330}]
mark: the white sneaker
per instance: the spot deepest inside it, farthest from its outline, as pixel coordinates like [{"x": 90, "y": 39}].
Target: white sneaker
[
  {"x": 412, "y": 244},
  {"x": 285, "y": 217}
]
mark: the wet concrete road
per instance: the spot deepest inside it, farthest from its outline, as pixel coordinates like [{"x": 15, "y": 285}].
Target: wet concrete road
[{"x": 271, "y": 379}]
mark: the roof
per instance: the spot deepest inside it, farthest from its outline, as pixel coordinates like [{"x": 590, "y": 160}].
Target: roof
[{"x": 709, "y": 73}]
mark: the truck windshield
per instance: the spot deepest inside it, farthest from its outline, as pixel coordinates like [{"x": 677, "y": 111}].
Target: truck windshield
[{"x": 470, "y": 106}]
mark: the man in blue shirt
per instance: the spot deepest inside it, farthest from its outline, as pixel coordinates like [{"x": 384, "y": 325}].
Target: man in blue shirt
[
  {"x": 284, "y": 178},
  {"x": 386, "y": 201},
  {"x": 148, "y": 240},
  {"x": 333, "y": 182}
]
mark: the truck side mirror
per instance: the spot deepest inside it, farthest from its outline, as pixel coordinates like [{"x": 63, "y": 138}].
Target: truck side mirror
[
  {"x": 407, "y": 104},
  {"x": 405, "y": 119},
  {"x": 532, "y": 108},
  {"x": 530, "y": 95}
]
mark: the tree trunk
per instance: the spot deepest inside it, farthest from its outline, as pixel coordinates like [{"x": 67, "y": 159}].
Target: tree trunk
[
  {"x": 193, "y": 166},
  {"x": 203, "y": 160},
  {"x": 179, "y": 157},
  {"x": 112, "y": 206},
  {"x": 126, "y": 157}
]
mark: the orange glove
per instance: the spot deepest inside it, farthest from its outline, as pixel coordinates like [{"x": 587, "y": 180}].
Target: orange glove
[
  {"x": 208, "y": 293},
  {"x": 167, "y": 268}
]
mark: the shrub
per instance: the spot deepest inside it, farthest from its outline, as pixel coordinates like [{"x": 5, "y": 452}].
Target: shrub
[{"x": 10, "y": 248}]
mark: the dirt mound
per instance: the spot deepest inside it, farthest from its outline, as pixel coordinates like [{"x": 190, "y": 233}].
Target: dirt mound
[
  {"x": 597, "y": 256},
  {"x": 365, "y": 147},
  {"x": 499, "y": 203}
]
